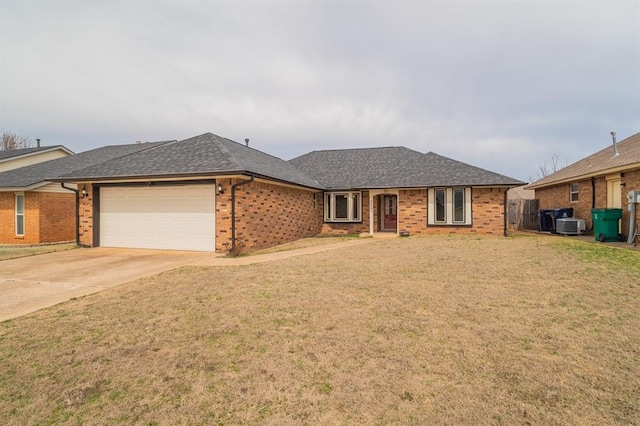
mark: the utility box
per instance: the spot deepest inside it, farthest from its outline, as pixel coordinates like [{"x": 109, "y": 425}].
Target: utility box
[
  {"x": 563, "y": 213},
  {"x": 605, "y": 224}
]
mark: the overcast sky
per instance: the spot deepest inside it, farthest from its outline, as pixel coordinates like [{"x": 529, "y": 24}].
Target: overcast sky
[{"x": 502, "y": 85}]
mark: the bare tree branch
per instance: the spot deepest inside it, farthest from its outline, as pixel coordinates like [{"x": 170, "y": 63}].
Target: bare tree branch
[
  {"x": 12, "y": 141},
  {"x": 546, "y": 170}
]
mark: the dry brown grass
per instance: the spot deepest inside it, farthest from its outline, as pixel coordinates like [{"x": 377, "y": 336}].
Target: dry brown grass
[
  {"x": 304, "y": 243},
  {"x": 434, "y": 330},
  {"x": 14, "y": 252}
]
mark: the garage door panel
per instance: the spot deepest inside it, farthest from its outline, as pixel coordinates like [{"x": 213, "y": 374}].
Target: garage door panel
[{"x": 176, "y": 217}]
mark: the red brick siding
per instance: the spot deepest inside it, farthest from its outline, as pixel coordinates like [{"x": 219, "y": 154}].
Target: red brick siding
[
  {"x": 85, "y": 225},
  {"x": 49, "y": 217},
  {"x": 57, "y": 216},
  {"x": 412, "y": 211},
  {"x": 267, "y": 215},
  {"x": 487, "y": 210}
]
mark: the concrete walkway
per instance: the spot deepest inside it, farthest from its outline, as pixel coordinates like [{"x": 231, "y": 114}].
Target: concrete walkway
[
  {"x": 31, "y": 283},
  {"x": 270, "y": 257}
]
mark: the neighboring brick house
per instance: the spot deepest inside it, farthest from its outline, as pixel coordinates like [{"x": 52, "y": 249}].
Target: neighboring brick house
[
  {"x": 16, "y": 158},
  {"x": 212, "y": 194},
  {"x": 34, "y": 210},
  {"x": 601, "y": 180}
]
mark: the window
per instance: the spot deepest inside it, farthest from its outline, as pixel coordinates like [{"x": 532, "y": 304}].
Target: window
[
  {"x": 342, "y": 206},
  {"x": 458, "y": 205},
  {"x": 20, "y": 215},
  {"x": 449, "y": 206},
  {"x": 441, "y": 198},
  {"x": 574, "y": 192}
]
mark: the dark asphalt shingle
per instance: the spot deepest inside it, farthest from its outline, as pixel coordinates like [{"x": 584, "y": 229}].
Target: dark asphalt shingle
[
  {"x": 431, "y": 169},
  {"x": 35, "y": 174},
  {"x": 206, "y": 154},
  {"x": 209, "y": 154},
  {"x": 353, "y": 168},
  {"x": 393, "y": 167}
]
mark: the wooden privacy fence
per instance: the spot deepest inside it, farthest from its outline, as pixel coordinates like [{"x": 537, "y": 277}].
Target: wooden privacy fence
[{"x": 522, "y": 214}]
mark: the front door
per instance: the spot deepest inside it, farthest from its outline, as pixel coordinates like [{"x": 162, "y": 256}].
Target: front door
[{"x": 389, "y": 212}]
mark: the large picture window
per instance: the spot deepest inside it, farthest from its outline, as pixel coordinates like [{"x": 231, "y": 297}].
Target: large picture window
[
  {"x": 342, "y": 206},
  {"x": 20, "y": 215},
  {"x": 449, "y": 206}
]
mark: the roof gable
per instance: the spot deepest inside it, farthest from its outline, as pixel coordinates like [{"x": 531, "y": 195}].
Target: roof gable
[
  {"x": 393, "y": 167},
  {"x": 600, "y": 163},
  {"x": 353, "y": 168},
  {"x": 206, "y": 154},
  {"x": 432, "y": 169},
  {"x": 36, "y": 174}
]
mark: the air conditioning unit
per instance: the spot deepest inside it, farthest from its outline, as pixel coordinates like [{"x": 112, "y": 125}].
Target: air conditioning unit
[{"x": 570, "y": 226}]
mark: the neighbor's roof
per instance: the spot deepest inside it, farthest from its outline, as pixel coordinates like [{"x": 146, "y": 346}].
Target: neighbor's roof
[
  {"x": 30, "y": 177},
  {"x": 393, "y": 167},
  {"x": 25, "y": 152},
  {"x": 521, "y": 193},
  {"x": 600, "y": 163},
  {"x": 203, "y": 155}
]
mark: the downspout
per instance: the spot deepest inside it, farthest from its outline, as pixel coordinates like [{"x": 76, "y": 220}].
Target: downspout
[
  {"x": 593, "y": 196},
  {"x": 77, "y": 212},
  {"x": 233, "y": 210},
  {"x": 632, "y": 217},
  {"x": 505, "y": 204}
]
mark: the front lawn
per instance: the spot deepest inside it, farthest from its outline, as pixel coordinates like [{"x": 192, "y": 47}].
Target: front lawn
[
  {"x": 432, "y": 330},
  {"x": 13, "y": 252}
]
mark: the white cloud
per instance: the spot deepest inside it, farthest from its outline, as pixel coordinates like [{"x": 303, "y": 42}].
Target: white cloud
[{"x": 499, "y": 84}]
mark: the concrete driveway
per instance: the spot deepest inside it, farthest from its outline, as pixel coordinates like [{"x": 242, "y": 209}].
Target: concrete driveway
[{"x": 35, "y": 282}]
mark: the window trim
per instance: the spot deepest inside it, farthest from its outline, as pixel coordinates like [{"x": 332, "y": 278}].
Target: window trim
[
  {"x": 19, "y": 217},
  {"x": 572, "y": 192},
  {"x": 354, "y": 212},
  {"x": 449, "y": 207}
]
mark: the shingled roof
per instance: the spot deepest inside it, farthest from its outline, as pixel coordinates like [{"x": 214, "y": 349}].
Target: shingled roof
[
  {"x": 600, "y": 163},
  {"x": 352, "y": 168},
  {"x": 363, "y": 168},
  {"x": 393, "y": 167},
  {"x": 202, "y": 155},
  {"x": 38, "y": 174},
  {"x": 24, "y": 152}
]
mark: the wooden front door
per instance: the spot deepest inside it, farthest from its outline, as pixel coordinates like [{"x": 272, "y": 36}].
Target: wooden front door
[{"x": 389, "y": 212}]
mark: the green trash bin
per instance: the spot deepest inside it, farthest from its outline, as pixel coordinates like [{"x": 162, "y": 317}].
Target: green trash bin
[{"x": 605, "y": 224}]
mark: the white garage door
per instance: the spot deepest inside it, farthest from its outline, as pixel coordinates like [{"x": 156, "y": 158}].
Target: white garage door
[{"x": 162, "y": 217}]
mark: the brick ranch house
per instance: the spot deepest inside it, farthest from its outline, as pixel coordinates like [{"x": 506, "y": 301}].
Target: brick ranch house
[
  {"x": 601, "y": 180},
  {"x": 34, "y": 210},
  {"x": 29, "y": 207},
  {"x": 209, "y": 193}
]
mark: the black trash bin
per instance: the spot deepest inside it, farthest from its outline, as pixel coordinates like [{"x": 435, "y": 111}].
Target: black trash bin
[{"x": 545, "y": 221}]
